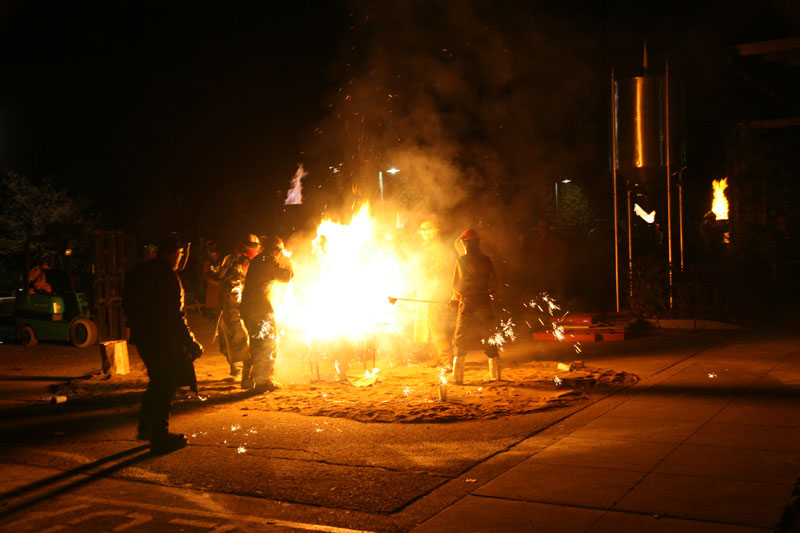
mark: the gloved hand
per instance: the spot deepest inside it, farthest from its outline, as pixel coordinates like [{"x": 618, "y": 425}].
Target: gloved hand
[{"x": 195, "y": 350}]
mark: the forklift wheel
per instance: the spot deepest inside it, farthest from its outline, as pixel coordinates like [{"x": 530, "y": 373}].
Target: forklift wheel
[
  {"x": 82, "y": 332},
  {"x": 26, "y": 336}
]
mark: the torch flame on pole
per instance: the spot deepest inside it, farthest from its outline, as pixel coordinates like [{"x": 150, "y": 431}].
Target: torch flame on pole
[{"x": 719, "y": 206}]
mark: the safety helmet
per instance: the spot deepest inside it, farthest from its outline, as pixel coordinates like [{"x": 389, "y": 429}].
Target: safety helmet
[
  {"x": 427, "y": 225},
  {"x": 469, "y": 235},
  {"x": 251, "y": 239}
]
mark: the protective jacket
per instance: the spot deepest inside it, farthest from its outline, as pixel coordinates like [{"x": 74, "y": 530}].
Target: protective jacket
[
  {"x": 474, "y": 280},
  {"x": 231, "y": 331},
  {"x": 259, "y": 316},
  {"x": 264, "y": 270},
  {"x": 153, "y": 301}
]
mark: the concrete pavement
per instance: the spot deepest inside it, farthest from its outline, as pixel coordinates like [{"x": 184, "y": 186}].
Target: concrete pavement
[{"x": 708, "y": 443}]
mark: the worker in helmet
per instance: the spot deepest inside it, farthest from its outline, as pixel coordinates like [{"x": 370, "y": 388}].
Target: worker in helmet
[
  {"x": 474, "y": 282},
  {"x": 269, "y": 266},
  {"x": 432, "y": 323},
  {"x": 233, "y": 339}
]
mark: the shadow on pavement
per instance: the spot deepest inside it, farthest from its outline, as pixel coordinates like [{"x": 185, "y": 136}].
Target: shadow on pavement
[
  {"x": 23, "y": 425},
  {"x": 51, "y": 487}
]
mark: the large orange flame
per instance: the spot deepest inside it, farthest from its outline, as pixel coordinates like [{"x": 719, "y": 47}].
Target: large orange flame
[
  {"x": 342, "y": 282},
  {"x": 719, "y": 206}
]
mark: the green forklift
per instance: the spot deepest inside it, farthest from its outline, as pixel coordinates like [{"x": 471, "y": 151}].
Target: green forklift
[{"x": 48, "y": 304}]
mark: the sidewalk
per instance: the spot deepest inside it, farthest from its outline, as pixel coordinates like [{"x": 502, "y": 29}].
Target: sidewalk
[{"x": 711, "y": 443}]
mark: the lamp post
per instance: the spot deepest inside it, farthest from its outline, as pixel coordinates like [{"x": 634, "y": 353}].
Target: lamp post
[{"x": 557, "y": 181}]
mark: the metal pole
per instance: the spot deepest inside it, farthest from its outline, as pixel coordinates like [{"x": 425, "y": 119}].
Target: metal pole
[
  {"x": 630, "y": 250},
  {"x": 680, "y": 212},
  {"x": 614, "y": 174},
  {"x": 669, "y": 185}
]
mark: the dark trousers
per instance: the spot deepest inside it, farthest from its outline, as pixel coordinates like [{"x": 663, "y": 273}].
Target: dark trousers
[
  {"x": 163, "y": 373},
  {"x": 262, "y": 331},
  {"x": 474, "y": 326}
]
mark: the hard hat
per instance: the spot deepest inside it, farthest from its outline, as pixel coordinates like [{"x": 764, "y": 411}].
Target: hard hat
[
  {"x": 427, "y": 225},
  {"x": 469, "y": 235}
]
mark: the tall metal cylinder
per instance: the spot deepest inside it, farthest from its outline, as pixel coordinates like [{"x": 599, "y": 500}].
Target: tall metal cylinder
[
  {"x": 648, "y": 144},
  {"x": 642, "y": 124}
]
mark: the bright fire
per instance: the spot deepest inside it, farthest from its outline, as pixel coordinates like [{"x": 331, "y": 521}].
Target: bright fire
[
  {"x": 337, "y": 305},
  {"x": 719, "y": 206},
  {"x": 342, "y": 282}
]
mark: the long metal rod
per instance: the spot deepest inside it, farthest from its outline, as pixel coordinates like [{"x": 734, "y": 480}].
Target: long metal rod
[
  {"x": 393, "y": 300},
  {"x": 669, "y": 185},
  {"x": 630, "y": 250},
  {"x": 614, "y": 174},
  {"x": 680, "y": 212}
]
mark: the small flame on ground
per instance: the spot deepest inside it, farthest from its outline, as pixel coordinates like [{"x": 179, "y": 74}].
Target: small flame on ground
[
  {"x": 712, "y": 375},
  {"x": 557, "y": 381},
  {"x": 241, "y": 449}
]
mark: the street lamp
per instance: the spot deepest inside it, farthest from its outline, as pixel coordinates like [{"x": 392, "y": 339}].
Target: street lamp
[{"x": 557, "y": 181}]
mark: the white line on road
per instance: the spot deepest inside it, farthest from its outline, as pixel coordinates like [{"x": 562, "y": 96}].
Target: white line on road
[
  {"x": 38, "y": 515},
  {"x": 225, "y": 516}
]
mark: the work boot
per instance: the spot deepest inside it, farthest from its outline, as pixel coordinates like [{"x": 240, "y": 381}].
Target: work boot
[
  {"x": 458, "y": 370},
  {"x": 268, "y": 386},
  {"x": 494, "y": 369},
  {"x": 167, "y": 442}
]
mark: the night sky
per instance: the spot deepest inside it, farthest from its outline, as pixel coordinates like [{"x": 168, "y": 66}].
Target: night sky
[{"x": 212, "y": 106}]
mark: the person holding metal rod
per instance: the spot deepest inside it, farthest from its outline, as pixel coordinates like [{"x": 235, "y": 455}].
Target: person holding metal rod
[
  {"x": 153, "y": 301},
  {"x": 269, "y": 266},
  {"x": 474, "y": 283}
]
